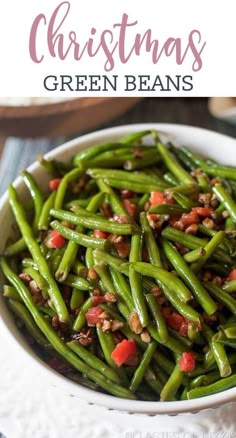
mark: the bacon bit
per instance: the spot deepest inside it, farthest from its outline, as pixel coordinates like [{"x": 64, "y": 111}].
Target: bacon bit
[
  {"x": 210, "y": 319},
  {"x": 85, "y": 337},
  {"x": 92, "y": 274},
  {"x": 54, "y": 183},
  {"x": 161, "y": 300},
  {"x": 135, "y": 323},
  {"x": 109, "y": 297},
  {"x": 137, "y": 153},
  {"x": 98, "y": 299},
  {"x": 127, "y": 194},
  {"x": 106, "y": 210},
  {"x": 130, "y": 207},
  {"x": 192, "y": 229},
  {"x": 55, "y": 321},
  {"x": 209, "y": 223},
  {"x": 156, "y": 291},
  {"x": 166, "y": 311},
  {"x": 181, "y": 248},
  {"x": 92, "y": 315},
  {"x": 25, "y": 277},
  {"x": 204, "y": 198},
  {"x": 207, "y": 276},
  {"x": 123, "y": 248},
  {"x": 187, "y": 362},
  {"x": 175, "y": 321},
  {"x": 80, "y": 184},
  {"x": 121, "y": 219},
  {"x": 190, "y": 218},
  {"x": 183, "y": 331},
  {"x": 203, "y": 211},
  {"x": 217, "y": 280},
  {"x": 100, "y": 234}
]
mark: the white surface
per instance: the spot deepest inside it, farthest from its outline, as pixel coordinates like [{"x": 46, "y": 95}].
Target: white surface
[
  {"x": 27, "y": 401},
  {"x": 215, "y": 21},
  {"x": 26, "y": 101}
]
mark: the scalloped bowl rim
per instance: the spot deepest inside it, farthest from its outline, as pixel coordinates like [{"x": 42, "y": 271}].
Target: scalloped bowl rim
[{"x": 181, "y": 134}]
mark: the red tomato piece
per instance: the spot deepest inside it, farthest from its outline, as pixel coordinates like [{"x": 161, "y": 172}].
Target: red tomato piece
[
  {"x": 98, "y": 299},
  {"x": 56, "y": 240},
  {"x": 54, "y": 183},
  {"x": 130, "y": 207},
  {"x": 190, "y": 218},
  {"x": 232, "y": 275},
  {"x": 187, "y": 362},
  {"x": 158, "y": 198},
  {"x": 203, "y": 211},
  {"x": 123, "y": 351},
  {"x": 92, "y": 315},
  {"x": 175, "y": 320},
  {"x": 100, "y": 234}
]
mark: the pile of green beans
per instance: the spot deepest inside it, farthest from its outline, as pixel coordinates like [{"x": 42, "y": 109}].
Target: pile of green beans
[{"x": 161, "y": 272}]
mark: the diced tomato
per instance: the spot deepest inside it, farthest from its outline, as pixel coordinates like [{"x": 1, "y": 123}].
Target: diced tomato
[
  {"x": 158, "y": 198},
  {"x": 123, "y": 351},
  {"x": 98, "y": 299},
  {"x": 92, "y": 315},
  {"x": 56, "y": 240},
  {"x": 54, "y": 183},
  {"x": 175, "y": 321},
  {"x": 100, "y": 234},
  {"x": 232, "y": 275},
  {"x": 203, "y": 211},
  {"x": 190, "y": 218},
  {"x": 187, "y": 362},
  {"x": 126, "y": 194},
  {"x": 129, "y": 206}
]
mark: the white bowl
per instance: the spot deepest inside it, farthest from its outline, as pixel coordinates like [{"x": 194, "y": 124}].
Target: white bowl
[{"x": 217, "y": 146}]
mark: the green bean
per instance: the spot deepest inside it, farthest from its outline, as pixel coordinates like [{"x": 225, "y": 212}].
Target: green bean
[
  {"x": 226, "y": 245},
  {"x": 115, "y": 201},
  {"x": 230, "y": 332},
  {"x": 135, "y": 137},
  {"x": 77, "y": 282},
  {"x": 77, "y": 298},
  {"x": 218, "y": 352},
  {"x": 152, "y": 381},
  {"x": 15, "y": 248},
  {"x": 158, "y": 317},
  {"x": 94, "y": 223},
  {"x": 24, "y": 315},
  {"x": 222, "y": 296},
  {"x": 135, "y": 177},
  {"x": 35, "y": 275},
  {"x": 170, "y": 178},
  {"x": 226, "y": 200},
  {"x": 194, "y": 255},
  {"x": 122, "y": 289},
  {"x": 80, "y": 319},
  {"x": 44, "y": 218},
  {"x": 112, "y": 261},
  {"x": 136, "y": 280},
  {"x": 34, "y": 249},
  {"x": 183, "y": 200},
  {"x": 143, "y": 365},
  {"x": 79, "y": 238},
  {"x": 184, "y": 159},
  {"x": 170, "y": 209},
  {"x": 80, "y": 269},
  {"x": 36, "y": 195},
  {"x": 184, "y": 189},
  {"x": 203, "y": 182},
  {"x": 61, "y": 191},
  {"x": 11, "y": 292},
  {"x": 184, "y": 309},
  {"x": 221, "y": 385},
  {"x": 172, "y": 385},
  {"x": 150, "y": 242},
  {"x": 193, "y": 242},
  {"x": 137, "y": 187},
  {"x": 190, "y": 279},
  {"x": 88, "y": 154},
  {"x": 93, "y": 361},
  {"x": 230, "y": 286},
  {"x": 173, "y": 166},
  {"x": 171, "y": 343},
  {"x": 57, "y": 343},
  {"x": 147, "y": 159},
  {"x": 165, "y": 277},
  {"x": 209, "y": 251}
]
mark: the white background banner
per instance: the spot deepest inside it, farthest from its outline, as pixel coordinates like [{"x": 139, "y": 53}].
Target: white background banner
[{"x": 125, "y": 48}]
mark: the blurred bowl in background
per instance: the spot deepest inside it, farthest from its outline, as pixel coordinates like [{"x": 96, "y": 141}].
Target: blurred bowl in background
[{"x": 61, "y": 118}]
